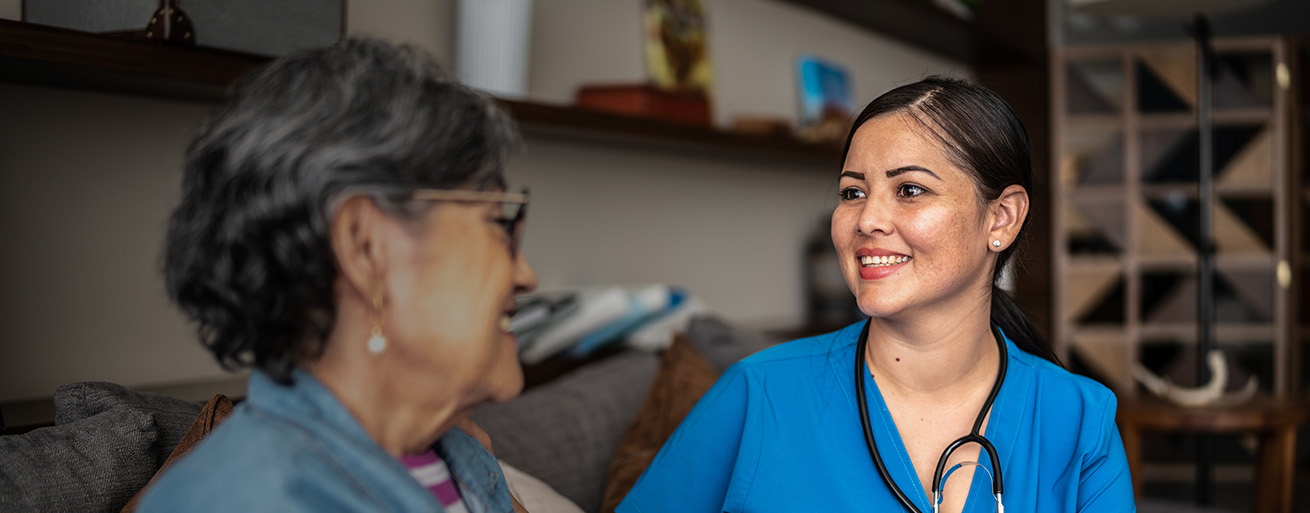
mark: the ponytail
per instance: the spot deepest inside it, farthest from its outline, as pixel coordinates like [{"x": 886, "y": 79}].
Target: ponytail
[{"x": 1007, "y": 315}]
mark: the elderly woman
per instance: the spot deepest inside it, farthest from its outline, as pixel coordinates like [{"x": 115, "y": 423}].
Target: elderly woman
[
  {"x": 344, "y": 230},
  {"x": 932, "y": 197}
]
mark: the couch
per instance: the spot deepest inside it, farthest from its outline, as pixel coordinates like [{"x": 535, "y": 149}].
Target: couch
[{"x": 574, "y": 443}]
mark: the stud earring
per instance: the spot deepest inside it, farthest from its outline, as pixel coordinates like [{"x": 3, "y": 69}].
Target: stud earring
[
  {"x": 996, "y": 244},
  {"x": 377, "y": 343}
]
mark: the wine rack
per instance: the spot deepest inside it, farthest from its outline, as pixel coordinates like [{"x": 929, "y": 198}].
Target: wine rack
[{"x": 1126, "y": 199}]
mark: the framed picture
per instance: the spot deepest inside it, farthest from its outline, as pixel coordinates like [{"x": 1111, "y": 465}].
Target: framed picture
[
  {"x": 677, "y": 53},
  {"x": 824, "y": 92}
]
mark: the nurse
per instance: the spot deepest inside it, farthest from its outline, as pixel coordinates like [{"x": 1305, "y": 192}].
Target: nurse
[{"x": 932, "y": 198}]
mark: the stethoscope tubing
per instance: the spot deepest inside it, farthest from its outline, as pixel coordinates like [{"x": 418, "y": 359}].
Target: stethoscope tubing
[{"x": 973, "y": 436}]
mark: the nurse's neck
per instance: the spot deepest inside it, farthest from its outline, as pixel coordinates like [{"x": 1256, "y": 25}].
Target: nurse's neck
[{"x": 944, "y": 357}]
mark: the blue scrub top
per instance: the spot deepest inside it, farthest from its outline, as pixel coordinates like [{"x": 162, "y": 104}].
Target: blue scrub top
[{"x": 780, "y": 431}]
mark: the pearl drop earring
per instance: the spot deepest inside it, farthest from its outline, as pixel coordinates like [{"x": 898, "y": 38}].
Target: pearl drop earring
[{"x": 377, "y": 343}]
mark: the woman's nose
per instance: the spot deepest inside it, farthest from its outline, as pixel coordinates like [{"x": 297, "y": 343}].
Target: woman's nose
[
  {"x": 525, "y": 279},
  {"x": 875, "y": 218}
]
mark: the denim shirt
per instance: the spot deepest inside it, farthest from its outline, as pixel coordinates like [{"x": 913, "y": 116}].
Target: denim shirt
[{"x": 296, "y": 448}]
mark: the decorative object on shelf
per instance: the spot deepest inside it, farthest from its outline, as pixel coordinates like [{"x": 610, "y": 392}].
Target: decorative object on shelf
[
  {"x": 257, "y": 27},
  {"x": 647, "y": 101},
  {"x": 494, "y": 39},
  {"x": 824, "y": 94},
  {"x": 677, "y": 54},
  {"x": 170, "y": 25},
  {"x": 1212, "y": 393},
  {"x": 678, "y": 65}
]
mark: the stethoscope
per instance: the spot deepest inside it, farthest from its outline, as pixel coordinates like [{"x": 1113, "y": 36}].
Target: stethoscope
[{"x": 973, "y": 435}]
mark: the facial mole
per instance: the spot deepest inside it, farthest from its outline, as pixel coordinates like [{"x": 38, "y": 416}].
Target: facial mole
[{"x": 898, "y": 359}]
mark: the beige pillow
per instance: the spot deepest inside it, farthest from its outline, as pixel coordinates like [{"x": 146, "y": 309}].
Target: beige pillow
[{"x": 534, "y": 495}]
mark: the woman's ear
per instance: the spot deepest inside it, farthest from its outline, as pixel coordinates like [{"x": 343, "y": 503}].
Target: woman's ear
[
  {"x": 357, "y": 244},
  {"x": 1008, "y": 212}
]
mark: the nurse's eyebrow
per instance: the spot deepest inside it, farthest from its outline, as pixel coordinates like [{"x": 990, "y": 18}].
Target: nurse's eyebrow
[
  {"x": 852, "y": 174},
  {"x": 907, "y": 169}
]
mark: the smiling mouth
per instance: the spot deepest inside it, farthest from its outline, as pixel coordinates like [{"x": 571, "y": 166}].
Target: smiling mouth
[{"x": 883, "y": 261}]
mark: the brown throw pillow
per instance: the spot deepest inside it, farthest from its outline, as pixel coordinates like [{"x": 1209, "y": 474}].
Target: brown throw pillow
[
  {"x": 217, "y": 409},
  {"x": 684, "y": 376}
]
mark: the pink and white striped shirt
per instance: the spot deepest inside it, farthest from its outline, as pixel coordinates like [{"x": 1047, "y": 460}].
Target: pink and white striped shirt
[{"x": 432, "y": 473}]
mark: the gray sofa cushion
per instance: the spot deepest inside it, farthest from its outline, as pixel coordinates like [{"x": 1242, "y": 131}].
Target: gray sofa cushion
[
  {"x": 90, "y": 465},
  {"x": 565, "y": 432},
  {"x": 106, "y": 444},
  {"x": 172, "y": 417},
  {"x": 724, "y": 344}
]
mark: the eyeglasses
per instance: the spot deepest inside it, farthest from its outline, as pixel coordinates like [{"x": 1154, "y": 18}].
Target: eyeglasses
[{"x": 513, "y": 208}]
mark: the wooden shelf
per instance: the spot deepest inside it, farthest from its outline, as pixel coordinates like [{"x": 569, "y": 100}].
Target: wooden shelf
[
  {"x": 1225, "y": 334},
  {"x": 1223, "y": 261},
  {"x": 42, "y": 55},
  {"x": 47, "y": 56},
  {"x": 578, "y": 122},
  {"x": 1220, "y": 117},
  {"x": 1101, "y": 331},
  {"x": 1249, "y": 116},
  {"x": 1099, "y": 193},
  {"x": 1095, "y": 264},
  {"x": 1097, "y": 122},
  {"x": 1169, "y": 120},
  {"x": 1191, "y": 190},
  {"x": 1180, "y": 263}
]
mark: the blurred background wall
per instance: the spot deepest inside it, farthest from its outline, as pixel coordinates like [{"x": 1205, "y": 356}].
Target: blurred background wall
[{"x": 87, "y": 180}]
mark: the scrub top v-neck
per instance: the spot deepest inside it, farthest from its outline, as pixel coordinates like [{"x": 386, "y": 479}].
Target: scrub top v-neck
[
  {"x": 780, "y": 431},
  {"x": 897, "y": 459}
]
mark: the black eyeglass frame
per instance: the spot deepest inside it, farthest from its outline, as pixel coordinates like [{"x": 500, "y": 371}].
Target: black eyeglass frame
[{"x": 513, "y": 225}]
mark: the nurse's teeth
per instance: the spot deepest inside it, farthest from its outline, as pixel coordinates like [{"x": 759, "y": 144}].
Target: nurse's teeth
[{"x": 874, "y": 261}]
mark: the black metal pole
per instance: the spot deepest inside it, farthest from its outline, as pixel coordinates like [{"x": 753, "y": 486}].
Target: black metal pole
[{"x": 1205, "y": 69}]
